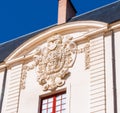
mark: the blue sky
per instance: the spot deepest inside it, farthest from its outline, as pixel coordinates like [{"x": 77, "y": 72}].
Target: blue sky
[{"x": 19, "y": 17}]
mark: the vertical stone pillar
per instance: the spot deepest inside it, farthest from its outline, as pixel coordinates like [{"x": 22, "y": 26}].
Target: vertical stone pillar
[
  {"x": 97, "y": 76},
  {"x": 12, "y": 91}
]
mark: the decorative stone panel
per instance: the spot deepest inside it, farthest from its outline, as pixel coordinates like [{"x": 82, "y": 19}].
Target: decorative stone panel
[{"x": 52, "y": 62}]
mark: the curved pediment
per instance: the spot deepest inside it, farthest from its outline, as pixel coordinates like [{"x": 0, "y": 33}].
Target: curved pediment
[{"x": 78, "y": 30}]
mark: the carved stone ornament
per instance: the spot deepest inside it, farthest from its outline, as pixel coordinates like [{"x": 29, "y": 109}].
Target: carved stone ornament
[
  {"x": 86, "y": 50},
  {"x": 52, "y": 62}
]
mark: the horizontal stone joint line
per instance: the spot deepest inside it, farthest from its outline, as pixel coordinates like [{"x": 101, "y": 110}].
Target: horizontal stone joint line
[
  {"x": 96, "y": 93},
  {"x": 97, "y": 97},
  {"x": 97, "y": 105},
  {"x": 98, "y": 88}
]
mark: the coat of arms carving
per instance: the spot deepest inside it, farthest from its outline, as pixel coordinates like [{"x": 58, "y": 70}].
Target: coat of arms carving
[{"x": 53, "y": 61}]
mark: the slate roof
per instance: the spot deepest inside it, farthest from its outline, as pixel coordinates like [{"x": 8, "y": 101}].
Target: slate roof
[{"x": 108, "y": 14}]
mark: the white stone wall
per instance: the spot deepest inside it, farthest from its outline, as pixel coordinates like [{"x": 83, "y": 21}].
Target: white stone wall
[
  {"x": 88, "y": 90},
  {"x": 80, "y": 87},
  {"x": 85, "y": 87}
]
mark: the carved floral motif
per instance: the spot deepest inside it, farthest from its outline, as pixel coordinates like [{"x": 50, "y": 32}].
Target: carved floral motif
[{"x": 52, "y": 62}]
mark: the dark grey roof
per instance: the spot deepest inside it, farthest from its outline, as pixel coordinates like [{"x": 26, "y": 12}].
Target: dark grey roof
[{"x": 108, "y": 14}]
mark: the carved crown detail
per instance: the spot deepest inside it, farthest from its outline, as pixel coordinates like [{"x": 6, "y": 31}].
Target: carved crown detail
[{"x": 52, "y": 62}]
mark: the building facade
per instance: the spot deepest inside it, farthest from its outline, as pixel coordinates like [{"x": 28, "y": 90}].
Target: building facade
[{"x": 71, "y": 67}]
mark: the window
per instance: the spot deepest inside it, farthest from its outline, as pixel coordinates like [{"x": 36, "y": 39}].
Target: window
[{"x": 54, "y": 104}]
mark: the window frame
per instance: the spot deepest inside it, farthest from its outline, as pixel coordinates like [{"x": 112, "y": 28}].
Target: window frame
[{"x": 48, "y": 95}]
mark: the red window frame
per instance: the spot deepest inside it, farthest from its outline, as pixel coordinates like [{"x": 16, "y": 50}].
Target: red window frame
[{"x": 54, "y": 103}]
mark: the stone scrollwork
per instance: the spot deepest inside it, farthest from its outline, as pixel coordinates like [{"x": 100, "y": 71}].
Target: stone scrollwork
[
  {"x": 52, "y": 62},
  {"x": 86, "y": 50},
  {"x": 87, "y": 56},
  {"x": 26, "y": 68}
]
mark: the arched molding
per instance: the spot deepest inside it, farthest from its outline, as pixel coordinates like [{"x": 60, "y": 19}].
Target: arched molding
[{"x": 89, "y": 26}]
